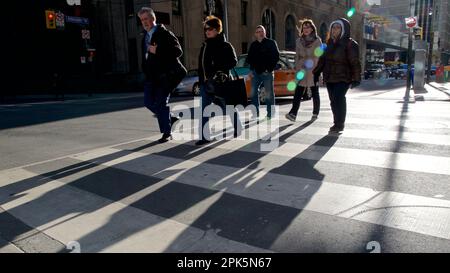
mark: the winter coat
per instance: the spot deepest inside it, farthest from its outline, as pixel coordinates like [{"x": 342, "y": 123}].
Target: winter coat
[
  {"x": 216, "y": 55},
  {"x": 263, "y": 56},
  {"x": 306, "y": 60},
  {"x": 340, "y": 62},
  {"x": 166, "y": 60}
]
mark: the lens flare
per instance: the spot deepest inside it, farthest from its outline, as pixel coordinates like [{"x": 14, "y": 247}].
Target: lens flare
[
  {"x": 318, "y": 52},
  {"x": 309, "y": 64},
  {"x": 300, "y": 75},
  {"x": 291, "y": 86},
  {"x": 351, "y": 12}
]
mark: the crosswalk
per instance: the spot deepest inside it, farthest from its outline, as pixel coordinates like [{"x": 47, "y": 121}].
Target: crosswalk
[{"x": 384, "y": 180}]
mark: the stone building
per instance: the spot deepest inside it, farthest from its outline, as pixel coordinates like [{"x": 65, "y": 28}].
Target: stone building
[
  {"x": 184, "y": 18},
  {"x": 97, "y": 42}
]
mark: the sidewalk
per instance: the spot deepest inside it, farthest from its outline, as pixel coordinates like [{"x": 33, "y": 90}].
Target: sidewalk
[
  {"x": 47, "y": 98},
  {"x": 435, "y": 91}
]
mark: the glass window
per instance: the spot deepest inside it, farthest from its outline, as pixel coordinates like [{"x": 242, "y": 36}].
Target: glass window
[{"x": 176, "y": 7}]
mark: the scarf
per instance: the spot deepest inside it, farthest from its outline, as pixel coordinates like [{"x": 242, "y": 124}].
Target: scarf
[{"x": 308, "y": 40}]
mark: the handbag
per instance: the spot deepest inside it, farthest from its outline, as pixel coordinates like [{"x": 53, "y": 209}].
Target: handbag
[{"x": 229, "y": 89}]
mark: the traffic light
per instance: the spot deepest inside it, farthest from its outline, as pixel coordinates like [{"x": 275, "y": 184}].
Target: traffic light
[
  {"x": 50, "y": 19},
  {"x": 418, "y": 33}
]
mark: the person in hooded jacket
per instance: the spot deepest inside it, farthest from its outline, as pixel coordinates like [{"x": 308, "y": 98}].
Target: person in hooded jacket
[
  {"x": 341, "y": 68},
  {"x": 306, "y": 61},
  {"x": 217, "y": 57}
]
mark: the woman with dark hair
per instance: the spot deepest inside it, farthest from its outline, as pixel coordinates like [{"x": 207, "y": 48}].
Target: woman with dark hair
[
  {"x": 305, "y": 62},
  {"x": 341, "y": 69},
  {"x": 217, "y": 57}
]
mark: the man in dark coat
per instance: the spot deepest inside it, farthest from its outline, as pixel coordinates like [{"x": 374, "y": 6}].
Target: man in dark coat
[
  {"x": 263, "y": 57},
  {"x": 162, "y": 68}
]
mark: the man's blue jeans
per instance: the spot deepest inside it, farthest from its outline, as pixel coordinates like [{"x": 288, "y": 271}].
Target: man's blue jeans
[
  {"x": 156, "y": 99},
  {"x": 265, "y": 79}
]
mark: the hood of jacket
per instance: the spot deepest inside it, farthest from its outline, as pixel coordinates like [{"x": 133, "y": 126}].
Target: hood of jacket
[{"x": 345, "y": 25}]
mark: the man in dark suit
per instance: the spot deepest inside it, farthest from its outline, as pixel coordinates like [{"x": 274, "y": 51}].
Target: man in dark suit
[{"x": 162, "y": 68}]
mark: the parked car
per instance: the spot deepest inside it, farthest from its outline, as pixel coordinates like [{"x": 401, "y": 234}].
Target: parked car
[
  {"x": 402, "y": 71},
  {"x": 375, "y": 71},
  {"x": 189, "y": 84},
  {"x": 284, "y": 74}
]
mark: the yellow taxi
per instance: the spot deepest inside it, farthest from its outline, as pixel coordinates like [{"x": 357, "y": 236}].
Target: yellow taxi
[{"x": 284, "y": 74}]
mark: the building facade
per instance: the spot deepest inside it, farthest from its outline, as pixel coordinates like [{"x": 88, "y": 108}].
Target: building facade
[
  {"x": 433, "y": 19},
  {"x": 98, "y": 45},
  {"x": 280, "y": 17}
]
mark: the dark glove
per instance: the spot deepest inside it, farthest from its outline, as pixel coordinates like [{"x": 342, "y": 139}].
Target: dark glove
[{"x": 354, "y": 84}]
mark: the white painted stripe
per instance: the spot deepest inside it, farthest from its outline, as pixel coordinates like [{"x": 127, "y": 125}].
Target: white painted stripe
[
  {"x": 322, "y": 197},
  {"x": 317, "y": 196},
  {"x": 102, "y": 151},
  {"x": 385, "y": 135},
  {"x": 68, "y": 214},
  {"x": 385, "y": 122},
  {"x": 378, "y": 159}
]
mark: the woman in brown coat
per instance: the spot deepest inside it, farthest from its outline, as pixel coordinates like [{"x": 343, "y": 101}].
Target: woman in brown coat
[
  {"x": 341, "y": 69},
  {"x": 305, "y": 62}
]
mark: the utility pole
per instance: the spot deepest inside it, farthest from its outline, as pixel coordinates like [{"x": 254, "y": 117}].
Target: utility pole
[
  {"x": 430, "y": 46},
  {"x": 408, "y": 76},
  {"x": 225, "y": 3}
]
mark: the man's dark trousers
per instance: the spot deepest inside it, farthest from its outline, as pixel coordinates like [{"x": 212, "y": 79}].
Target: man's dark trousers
[{"x": 156, "y": 98}]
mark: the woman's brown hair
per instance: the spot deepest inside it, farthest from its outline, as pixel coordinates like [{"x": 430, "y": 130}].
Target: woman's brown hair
[
  {"x": 214, "y": 22},
  {"x": 307, "y": 21}
]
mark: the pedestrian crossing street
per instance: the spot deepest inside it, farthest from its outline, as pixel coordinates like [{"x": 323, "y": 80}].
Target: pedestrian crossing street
[{"x": 384, "y": 180}]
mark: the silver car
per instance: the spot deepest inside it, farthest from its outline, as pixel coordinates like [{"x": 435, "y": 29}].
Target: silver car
[{"x": 189, "y": 84}]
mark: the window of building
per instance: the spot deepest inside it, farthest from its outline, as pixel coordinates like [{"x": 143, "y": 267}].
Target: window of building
[
  {"x": 244, "y": 5},
  {"x": 268, "y": 21},
  {"x": 133, "y": 55},
  {"x": 290, "y": 33},
  {"x": 129, "y": 8},
  {"x": 213, "y": 7},
  {"x": 176, "y": 7},
  {"x": 244, "y": 48}
]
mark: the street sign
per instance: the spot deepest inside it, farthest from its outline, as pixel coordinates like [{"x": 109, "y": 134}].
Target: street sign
[
  {"x": 77, "y": 20},
  {"x": 60, "y": 22},
  {"x": 85, "y": 34},
  {"x": 73, "y": 2},
  {"x": 411, "y": 22}
]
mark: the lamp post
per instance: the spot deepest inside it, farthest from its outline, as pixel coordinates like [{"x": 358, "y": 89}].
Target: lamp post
[
  {"x": 431, "y": 41},
  {"x": 408, "y": 76},
  {"x": 225, "y": 18}
]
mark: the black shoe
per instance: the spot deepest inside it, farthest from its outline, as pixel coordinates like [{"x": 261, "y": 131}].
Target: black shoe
[
  {"x": 173, "y": 120},
  {"x": 202, "y": 142},
  {"x": 337, "y": 128},
  {"x": 165, "y": 138}
]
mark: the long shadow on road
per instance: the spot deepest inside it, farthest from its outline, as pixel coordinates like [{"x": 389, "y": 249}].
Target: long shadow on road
[{"x": 33, "y": 114}]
